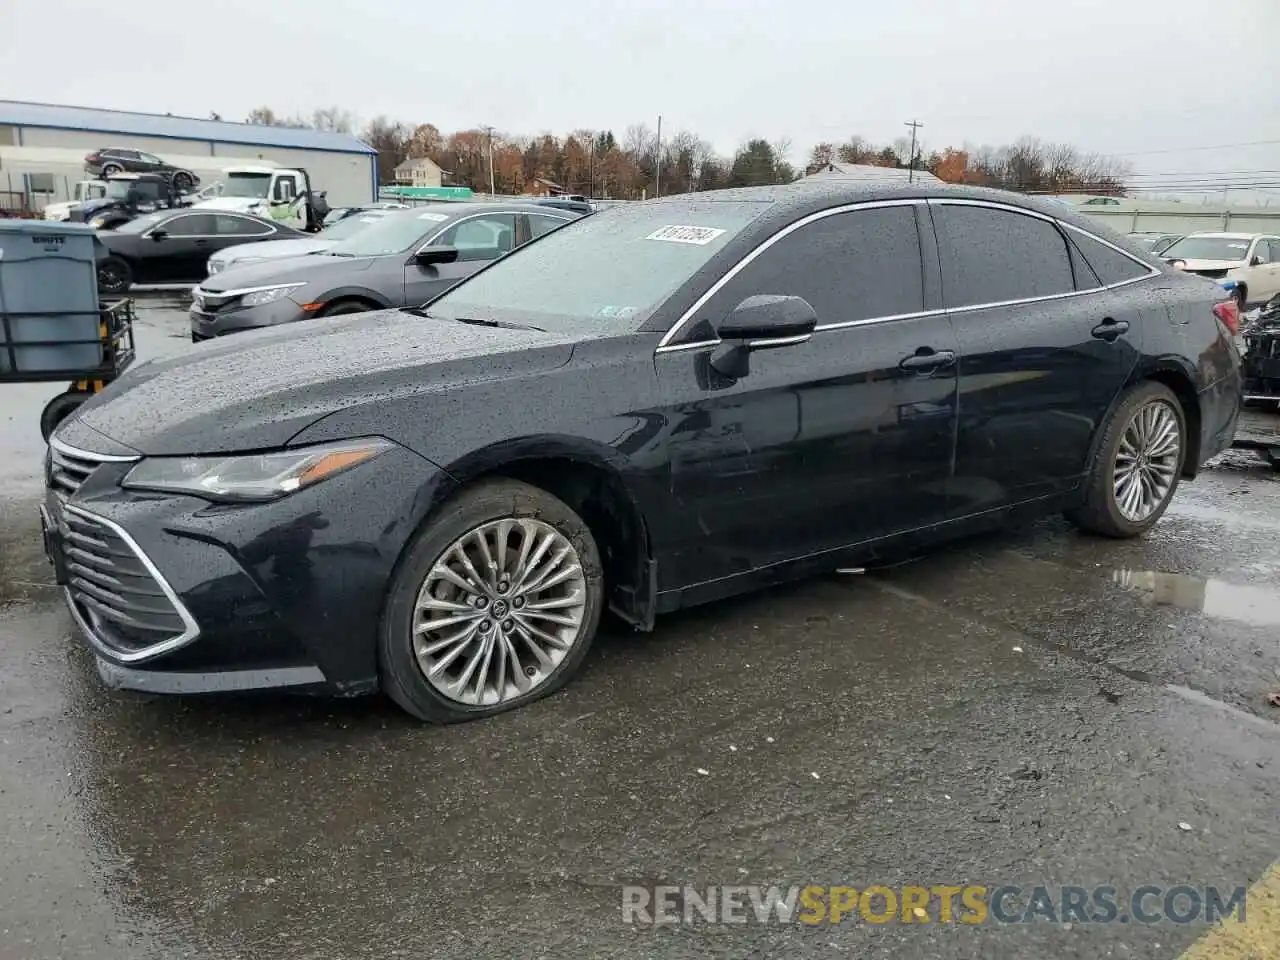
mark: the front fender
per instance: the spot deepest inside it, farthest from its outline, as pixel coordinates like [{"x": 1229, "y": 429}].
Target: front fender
[{"x": 354, "y": 292}]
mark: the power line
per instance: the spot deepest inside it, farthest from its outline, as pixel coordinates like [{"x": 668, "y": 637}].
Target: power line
[{"x": 1212, "y": 146}]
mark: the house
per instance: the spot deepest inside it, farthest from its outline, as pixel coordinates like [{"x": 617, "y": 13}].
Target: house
[
  {"x": 419, "y": 172},
  {"x": 540, "y": 187},
  {"x": 867, "y": 172}
]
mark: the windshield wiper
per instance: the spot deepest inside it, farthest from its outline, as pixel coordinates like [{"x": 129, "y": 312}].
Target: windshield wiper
[
  {"x": 473, "y": 321},
  {"x": 485, "y": 322}
]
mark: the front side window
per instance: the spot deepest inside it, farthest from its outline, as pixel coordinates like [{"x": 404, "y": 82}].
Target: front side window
[
  {"x": 851, "y": 266},
  {"x": 247, "y": 185},
  {"x": 149, "y": 158},
  {"x": 481, "y": 238},
  {"x": 1109, "y": 264},
  {"x": 1262, "y": 252},
  {"x": 991, "y": 255}
]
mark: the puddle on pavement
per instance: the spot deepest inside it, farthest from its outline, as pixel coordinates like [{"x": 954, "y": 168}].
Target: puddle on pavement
[{"x": 1257, "y": 606}]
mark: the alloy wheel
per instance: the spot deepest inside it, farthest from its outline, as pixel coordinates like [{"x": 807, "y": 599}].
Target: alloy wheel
[
  {"x": 1147, "y": 461},
  {"x": 499, "y": 610}
]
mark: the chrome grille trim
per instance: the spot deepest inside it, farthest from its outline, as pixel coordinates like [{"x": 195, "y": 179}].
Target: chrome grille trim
[
  {"x": 118, "y": 592},
  {"x": 69, "y": 466}
]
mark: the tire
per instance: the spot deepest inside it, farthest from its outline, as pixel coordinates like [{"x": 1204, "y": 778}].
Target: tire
[
  {"x": 402, "y": 652},
  {"x": 114, "y": 276},
  {"x": 108, "y": 169},
  {"x": 182, "y": 181},
  {"x": 347, "y": 306},
  {"x": 58, "y": 409},
  {"x": 1102, "y": 512}
]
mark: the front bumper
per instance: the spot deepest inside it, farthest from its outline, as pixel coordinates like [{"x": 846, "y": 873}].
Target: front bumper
[
  {"x": 206, "y": 326},
  {"x": 286, "y": 594}
]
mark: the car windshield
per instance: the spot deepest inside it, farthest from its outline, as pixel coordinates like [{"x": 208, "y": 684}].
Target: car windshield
[
  {"x": 253, "y": 185},
  {"x": 119, "y": 189},
  {"x": 619, "y": 264},
  {"x": 1208, "y": 248},
  {"x": 141, "y": 224},
  {"x": 392, "y": 233},
  {"x": 350, "y": 226}
]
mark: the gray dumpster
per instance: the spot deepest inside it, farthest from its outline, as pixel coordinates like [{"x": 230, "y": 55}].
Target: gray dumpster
[{"x": 48, "y": 297}]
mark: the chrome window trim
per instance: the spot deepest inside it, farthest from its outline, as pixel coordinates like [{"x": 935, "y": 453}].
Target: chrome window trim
[
  {"x": 68, "y": 450},
  {"x": 191, "y": 629},
  {"x": 664, "y": 345}
]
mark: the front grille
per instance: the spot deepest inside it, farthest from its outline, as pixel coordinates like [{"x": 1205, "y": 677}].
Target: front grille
[
  {"x": 68, "y": 470},
  {"x": 129, "y": 610}
]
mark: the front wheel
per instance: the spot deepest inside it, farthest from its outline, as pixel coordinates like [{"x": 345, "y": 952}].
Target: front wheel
[
  {"x": 1139, "y": 461},
  {"x": 182, "y": 181},
  {"x": 114, "y": 276},
  {"x": 111, "y": 169},
  {"x": 494, "y": 605}
]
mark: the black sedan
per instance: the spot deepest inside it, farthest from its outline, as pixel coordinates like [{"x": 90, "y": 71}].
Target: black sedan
[
  {"x": 407, "y": 257},
  {"x": 173, "y": 246},
  {"x": 664, "y": 404}
]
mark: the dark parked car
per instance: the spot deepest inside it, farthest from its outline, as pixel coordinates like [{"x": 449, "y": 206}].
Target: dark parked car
[
  {"x": 173, "y": 246},
  {"x": 407, "y": 257},
  {"x": 109, "y": 160},
  {"x": 665, "y": 404}
]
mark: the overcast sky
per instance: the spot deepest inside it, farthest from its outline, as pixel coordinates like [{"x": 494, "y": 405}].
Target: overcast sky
[{"x": 1153, "y": 81}]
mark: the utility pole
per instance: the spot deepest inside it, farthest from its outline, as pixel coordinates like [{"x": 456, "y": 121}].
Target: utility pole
[
  {"x": 911, "y": 165},
  {"x": 489, "y": 131},
  {"x": 591, "y": 169},
  {"x": 657, "y": 163}
]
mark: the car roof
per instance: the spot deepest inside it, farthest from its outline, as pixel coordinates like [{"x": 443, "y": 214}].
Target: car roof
[{"x": 803, "y": 197}]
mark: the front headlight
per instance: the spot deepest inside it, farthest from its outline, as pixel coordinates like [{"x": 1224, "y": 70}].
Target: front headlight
[
  {"x": 214, "y": 266},
  {"x": 257, "y": 298},
  {"x": 252, "y": 477},
  {"x": 97, "y": 221}
]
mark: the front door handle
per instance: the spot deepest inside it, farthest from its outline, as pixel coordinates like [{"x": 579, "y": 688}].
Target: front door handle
[
  {"x": 202, "y": 243},
  {"x": 1110, "y": 330},
  {"x": 926, "y": 360}
]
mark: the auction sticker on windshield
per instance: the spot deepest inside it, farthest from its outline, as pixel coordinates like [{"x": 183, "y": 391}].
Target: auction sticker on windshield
[{"x": 700, "y": 236}]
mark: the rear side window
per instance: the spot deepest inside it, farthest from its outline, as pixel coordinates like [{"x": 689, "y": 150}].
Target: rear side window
[
  {"x": 1110, "y": 265},
  {"x": 850, "y": 266},
  {"x": 990, "y": 255}
]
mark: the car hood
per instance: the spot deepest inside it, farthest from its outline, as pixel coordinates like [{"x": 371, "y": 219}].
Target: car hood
[
  {"x": 1207, "y": 264},
  {"x": 271, "y": 250},
  {"x": 91, "y": 206},
  {"x": 258, "y": 390},
  {"x": 238, "y": 276}
]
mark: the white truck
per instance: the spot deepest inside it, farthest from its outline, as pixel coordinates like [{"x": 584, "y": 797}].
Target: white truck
[
  {"x": 83, "y": 191},
  {"x": 277, "y": 193}
]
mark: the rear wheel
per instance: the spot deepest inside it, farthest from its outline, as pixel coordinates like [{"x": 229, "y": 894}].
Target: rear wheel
[
  {"x": 114, "y": 276},
  {"x": 1139, "y": 461},
  {"x": 182, "y": 181},
  {"x": 494, "y": 605}
]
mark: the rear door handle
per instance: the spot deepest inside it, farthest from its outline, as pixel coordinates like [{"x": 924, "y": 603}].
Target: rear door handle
[
  {"x": 1110, "y": 330},
  {"x": 926, "y": 360}
]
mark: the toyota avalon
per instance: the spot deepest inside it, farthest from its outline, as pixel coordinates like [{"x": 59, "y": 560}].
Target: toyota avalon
[{"x": 669, "y": 403}]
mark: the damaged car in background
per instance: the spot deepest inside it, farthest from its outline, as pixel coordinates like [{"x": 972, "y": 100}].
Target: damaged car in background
[{"x": 1259, "y": 427}]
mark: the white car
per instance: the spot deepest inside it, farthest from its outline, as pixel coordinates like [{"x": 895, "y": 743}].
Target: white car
[
  {"x": 279, "y": 249},
  {"x": 1246, "y": 263}
]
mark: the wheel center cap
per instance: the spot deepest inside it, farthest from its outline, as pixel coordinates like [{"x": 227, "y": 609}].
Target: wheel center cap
[{"x": 499, "y": 608}]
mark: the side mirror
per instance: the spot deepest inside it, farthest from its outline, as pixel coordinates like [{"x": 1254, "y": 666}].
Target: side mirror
[
  {"x": 763, "y": 322},
  {"x": 428, "y": 256},
  {"x": 1255, "y": 261},
  {"x": 159, "y": 233}
]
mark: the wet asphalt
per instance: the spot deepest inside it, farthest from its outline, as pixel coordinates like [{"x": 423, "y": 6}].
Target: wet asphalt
[{"x": 1028, "y": 707}]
